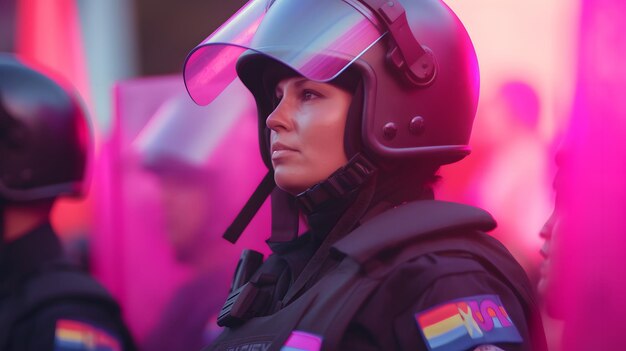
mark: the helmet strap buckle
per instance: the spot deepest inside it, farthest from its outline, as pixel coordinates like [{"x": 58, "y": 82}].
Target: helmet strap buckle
[
  {"x": 408, "y": 55},
  {"x": 341, "y": 183}
]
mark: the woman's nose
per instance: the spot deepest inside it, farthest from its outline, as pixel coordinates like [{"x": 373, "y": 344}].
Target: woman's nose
[{"x": 279, "y": 118}]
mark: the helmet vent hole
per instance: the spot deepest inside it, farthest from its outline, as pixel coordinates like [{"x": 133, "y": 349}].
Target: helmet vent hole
[
  {"x": 416, "y": 127},
  {"x": 390, "y": 130}
]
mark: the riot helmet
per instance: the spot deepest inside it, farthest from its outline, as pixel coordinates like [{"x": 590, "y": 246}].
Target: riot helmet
[
  {"x": 418, "y": 65},
  {"x": 44, "y": 135},
  {"x": 417, "y": 68}
]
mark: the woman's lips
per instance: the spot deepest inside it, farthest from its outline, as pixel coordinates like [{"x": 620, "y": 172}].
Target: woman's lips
[{"x": 280, "y": 150}]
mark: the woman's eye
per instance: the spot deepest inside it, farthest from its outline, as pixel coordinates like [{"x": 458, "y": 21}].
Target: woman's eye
[
  {"x": 309, "y": 95},
  {"x": 277, "y": 99}
]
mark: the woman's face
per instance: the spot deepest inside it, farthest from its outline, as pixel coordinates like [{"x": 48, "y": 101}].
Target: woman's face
[{"x": 307, "y": 130}]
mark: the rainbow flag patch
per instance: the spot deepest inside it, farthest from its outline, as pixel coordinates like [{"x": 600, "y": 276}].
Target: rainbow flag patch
[
  {"x": 463, "y": 323},
  {"x": 73, "y": 335},
  {"x": 302, "y": 341}
]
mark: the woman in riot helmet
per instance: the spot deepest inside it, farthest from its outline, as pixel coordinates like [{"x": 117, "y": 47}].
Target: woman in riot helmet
[{"x": 359, "y": 104}]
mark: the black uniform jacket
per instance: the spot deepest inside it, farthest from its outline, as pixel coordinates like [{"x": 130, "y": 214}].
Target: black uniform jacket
[
  {"x": 45, "y": 304},
  {"x": 422, "y": 276}
]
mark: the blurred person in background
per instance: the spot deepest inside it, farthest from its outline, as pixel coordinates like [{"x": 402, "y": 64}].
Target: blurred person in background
[
  {"x": 583, "y": 280},
  {"x": 507, "y": 171},
  {"x": 46, "y": 303},
  {"x": 359, "y": 103},
  {"x": 198, "y": 160},
  {"x": 550, "y": 283},
  {"x": 512, "y": 184}
]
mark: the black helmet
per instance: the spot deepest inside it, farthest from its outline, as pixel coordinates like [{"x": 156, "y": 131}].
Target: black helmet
[
  {"x": 418, "y": 66},
  {"x": 418, "y": 80},
  {"x": 44, "y": 135}
]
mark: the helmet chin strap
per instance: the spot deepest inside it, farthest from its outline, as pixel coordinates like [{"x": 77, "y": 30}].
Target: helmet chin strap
[
  {"x": 285, "y": 216},
  {"x": 263, "y": 190},
  {"x": 286, "y": 207},
  {"x": 285, "y": 213},
  {"x": 339, "y": 185}
]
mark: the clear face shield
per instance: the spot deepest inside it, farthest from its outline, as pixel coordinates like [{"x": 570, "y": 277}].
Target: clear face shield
[{"x": 318, "y": 39}]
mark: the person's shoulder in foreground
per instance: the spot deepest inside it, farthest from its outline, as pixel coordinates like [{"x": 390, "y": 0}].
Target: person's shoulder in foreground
[{"x": 45, "y": 302}]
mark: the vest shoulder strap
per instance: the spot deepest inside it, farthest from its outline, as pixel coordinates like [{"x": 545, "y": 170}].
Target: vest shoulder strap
[
  {"x": 65, "y": 284},
  {"x": 57, "y": 283},
  {"x": 424, "y": 227},
  {"x": 401, "y": 225}
]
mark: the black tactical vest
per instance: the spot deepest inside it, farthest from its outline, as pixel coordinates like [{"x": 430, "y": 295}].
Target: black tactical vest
[{"x": 317, "y": 319}]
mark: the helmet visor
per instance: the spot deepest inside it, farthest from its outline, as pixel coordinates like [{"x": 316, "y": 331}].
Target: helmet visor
[{"x": 318, "y": 39}]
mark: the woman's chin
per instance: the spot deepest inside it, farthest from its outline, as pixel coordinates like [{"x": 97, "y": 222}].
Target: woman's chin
[
  {"x": 291, "y": 188},
  {"x": 290, "y": 182}
]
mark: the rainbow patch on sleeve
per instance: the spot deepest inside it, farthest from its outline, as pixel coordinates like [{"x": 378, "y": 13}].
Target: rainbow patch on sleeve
[
  {"x": 302, "y": 341},
  {"x": 73, "y": 335},
  {"x": 463, "y": 323}
]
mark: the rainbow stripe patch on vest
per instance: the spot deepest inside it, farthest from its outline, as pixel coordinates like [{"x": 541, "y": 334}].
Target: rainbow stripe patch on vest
[
  {"x": 302, "y": 341},
  {"x": 463, "y": 323},
  {"x": 73, "y": 335}
]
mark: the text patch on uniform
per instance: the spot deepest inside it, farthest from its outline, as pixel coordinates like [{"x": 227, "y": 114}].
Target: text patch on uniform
[
  {"x": 302, "y": 341},
  {"x": 466, "y": 322},
  {"x": 77, "y": 336}
]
